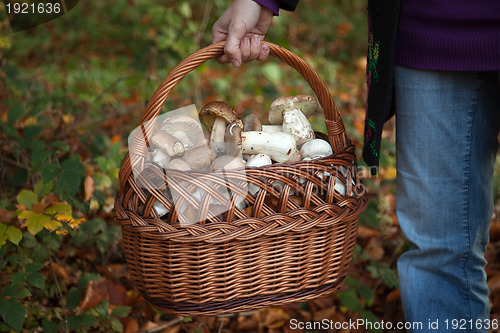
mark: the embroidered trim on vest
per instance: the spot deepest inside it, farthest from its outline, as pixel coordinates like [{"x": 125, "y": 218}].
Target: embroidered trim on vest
[
  {"x": 369, "y": 136},
  {"x": 372, "y": 58}
]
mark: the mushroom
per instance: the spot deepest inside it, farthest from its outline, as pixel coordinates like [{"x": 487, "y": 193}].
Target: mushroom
[
  {"x": 318, "y": 148},
  {"x": 272, "y": 128},
  {"x": 227, "y": 162},
  {"x": 296, "y": 124},
  {"x": 178, "y": 164},
  {"x": 258, "y": 160},
  {"x": 304, "y": 102},
  {"x": 199, "y": 157},
  {"x": 232, "y": 139},
  {"x": 215, "y": 116},
  {"x": 160, "y": 209},
  {"x": 167, "y": 143},
  {"x": 279, "y": 146},
  {"x": 203, "y": 138},
  {"x": 183, "y": 127},
  {"x": 252, "y": 123},
  {"x": 159, "y": 157},
  {"x": 340, "y": 186},
  {"x": 315, "y": 148},
  {"x": 294, "y": 158}
]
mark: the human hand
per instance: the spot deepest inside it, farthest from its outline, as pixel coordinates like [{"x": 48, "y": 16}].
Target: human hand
[{"x": 243, "y": 26}]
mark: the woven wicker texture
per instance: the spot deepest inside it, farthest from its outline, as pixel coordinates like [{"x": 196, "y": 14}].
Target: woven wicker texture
[{"x": 294, "y": 243}]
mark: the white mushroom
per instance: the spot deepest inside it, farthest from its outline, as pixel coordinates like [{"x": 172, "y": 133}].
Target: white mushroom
[
  {"x": 160, "y": 208},
  {"x": 228, "y": 162},
  {"x": 316, "y": 148},
  {"x": 296, "y": 124},
  {"x": 341, "y": 186},
  {"x": 278, "y": 146},
  {"x": 167, "y": 143},
  {"x": 178, "y": 164},
  {"x": 304, "y": 102},
  {"x": 294, "y": 158},
  {"x": 183, "y": 127},
  {"x": 203, "y": 139},
  {"x": 199, "y": 157},
  {"x": 159, "y": 157},
  {"x": 258, "y": 160},
  {"x": 272, "y": 128}
]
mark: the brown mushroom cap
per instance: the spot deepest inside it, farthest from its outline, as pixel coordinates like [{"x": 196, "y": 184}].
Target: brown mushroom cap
[
  {"x": 215, "y": 109},
  {"x": 252, "y": 123},
  {"x": 304, "y": 102}
]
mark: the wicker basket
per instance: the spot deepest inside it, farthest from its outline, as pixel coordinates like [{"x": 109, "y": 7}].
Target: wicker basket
[{"x": 289, "y": 251}]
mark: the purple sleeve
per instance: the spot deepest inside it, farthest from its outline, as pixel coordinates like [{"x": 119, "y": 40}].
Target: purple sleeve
[{"x": 273, "y": 5}]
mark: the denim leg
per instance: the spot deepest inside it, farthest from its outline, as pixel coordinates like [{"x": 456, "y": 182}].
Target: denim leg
[{"x": 446, "y": 142}]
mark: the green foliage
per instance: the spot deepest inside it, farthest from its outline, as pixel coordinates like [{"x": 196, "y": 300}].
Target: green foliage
[
  {"x": 27, "y": 283},
  {"x": 383, "y": 271},
  {"x": 358, "y": 298},
  {"x": 12, "y": 312}
]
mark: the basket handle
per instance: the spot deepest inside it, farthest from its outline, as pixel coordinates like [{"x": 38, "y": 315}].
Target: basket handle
[
  {"x": 337, "y": 137},
  {"x": 335, "y": 127}
]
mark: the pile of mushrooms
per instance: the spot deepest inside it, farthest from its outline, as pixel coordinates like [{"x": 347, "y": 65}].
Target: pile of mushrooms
[{"x": 227, "y": 142}]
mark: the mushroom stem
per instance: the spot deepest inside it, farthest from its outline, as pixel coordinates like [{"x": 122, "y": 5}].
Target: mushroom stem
[
  {"x": 296, "y": 124},
  {"x": 167, "y": 143},
  {"x": 279, "y": 146},
  {"x": 217, "y": 135},
  {"x": 272, "y": 128},
  {"x": 160, "y": 158}
]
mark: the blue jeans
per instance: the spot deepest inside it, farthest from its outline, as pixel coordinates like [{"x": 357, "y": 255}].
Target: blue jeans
[{"x": 446, "y": 143}]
